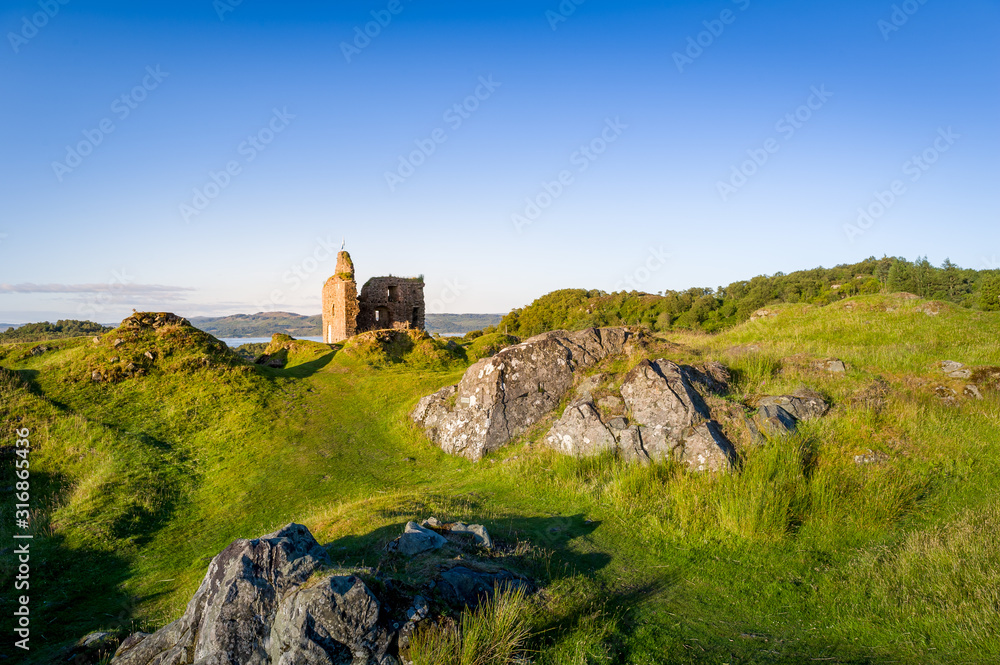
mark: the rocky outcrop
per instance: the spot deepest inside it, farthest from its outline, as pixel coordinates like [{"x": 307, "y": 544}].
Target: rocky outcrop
[
  {"x": 502, "y": 396},
  {"x": 154, "y": 320},
  {"x": 779, "y": 414},
  {"x": 269, "y": 601},
  {"x": 253, "y": 609},
  {"x": 462, "y": 586},
  {"x": 803, "y": 404},
  {"x": 955, "y": 370},
  {"x": 581, "y": 431},
  {"x": 669, "y": 418},
  {"x": 480, "y": 536},
  {"x": 416, "y": 539}
]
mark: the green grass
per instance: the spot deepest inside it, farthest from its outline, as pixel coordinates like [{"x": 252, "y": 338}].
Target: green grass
[
  {"x": 801, "y": 556},
  {"x": 495, "y": 633}
]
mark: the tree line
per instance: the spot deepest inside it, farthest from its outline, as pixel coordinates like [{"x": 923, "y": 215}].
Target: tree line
[{"x": 711, "y": 309}]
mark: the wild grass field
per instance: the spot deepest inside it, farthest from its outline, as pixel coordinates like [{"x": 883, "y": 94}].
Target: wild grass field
[{"x": 803, "y": 555}]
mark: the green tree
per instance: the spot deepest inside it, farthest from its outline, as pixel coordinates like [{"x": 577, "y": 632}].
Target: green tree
[{"x": 989, "y": 294}]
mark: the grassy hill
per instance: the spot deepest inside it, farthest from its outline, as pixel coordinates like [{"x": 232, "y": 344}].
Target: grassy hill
[{"x": 805, "y": 555}]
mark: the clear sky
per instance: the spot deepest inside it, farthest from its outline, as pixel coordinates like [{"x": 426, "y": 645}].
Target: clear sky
[{"x": 503, "y": 149}]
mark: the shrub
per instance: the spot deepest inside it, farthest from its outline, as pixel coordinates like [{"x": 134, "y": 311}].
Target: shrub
[{"x": 488, "y": 345}]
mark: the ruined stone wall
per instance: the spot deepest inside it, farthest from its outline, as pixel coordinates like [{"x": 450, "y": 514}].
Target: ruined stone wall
[
  {"x": 385, "y": 302},
  {"x": 340, "y": 302},
  {"x": 391, "y": 302}
]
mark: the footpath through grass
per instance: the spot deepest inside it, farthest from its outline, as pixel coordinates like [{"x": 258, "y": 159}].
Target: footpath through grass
[{"x": 803, "y": 556}]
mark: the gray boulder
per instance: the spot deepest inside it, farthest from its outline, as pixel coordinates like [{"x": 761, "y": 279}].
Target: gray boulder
[
  {"x": 673, "y": 417},
  {"x": 480, "y": 536},
  {"x": 661, "y": 399},
  {"x": 706, "y": 448},
  {"x": 802, "y": 404},
  {"x": 775, "y": 420},
  {"x": 335, "y": 621},
  {"x": 502, "y": 396},
  {"x": 780, "y": 414},
  {"x": 250, "y": 609},
  {"x": 463, "y": 586},
  {"x": 416, "y": 540},
  {"x": 669, "y": 418},
  {"x": 834, "y": 366}
]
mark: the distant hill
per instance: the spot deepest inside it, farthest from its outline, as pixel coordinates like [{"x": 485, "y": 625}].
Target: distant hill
[
  {"x": 261, "y": 324},
  {"x": 459, "y": 324},
  {"x": 265, "y": 324}
]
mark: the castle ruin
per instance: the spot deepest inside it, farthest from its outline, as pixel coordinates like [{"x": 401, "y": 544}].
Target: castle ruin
[{"x": 385, "y": 302}]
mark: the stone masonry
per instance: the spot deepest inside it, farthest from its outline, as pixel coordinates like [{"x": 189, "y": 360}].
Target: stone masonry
[{"x": 384, "y": 303}]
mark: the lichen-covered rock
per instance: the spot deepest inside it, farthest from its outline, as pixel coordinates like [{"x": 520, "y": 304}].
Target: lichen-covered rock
[
  {"x": 580, "y": 431},
  {"x": 673, "y": 418},
  {"x": 501, "y": 396},
  {"x": 775, "y": 420},
  {"x": 251, "y": 609},
  {"x": 955, "y": 370},
  {"x": 669, "y": 418},
  {"x": 661, "y": 399},
  {"x": 706, "y": 448}
]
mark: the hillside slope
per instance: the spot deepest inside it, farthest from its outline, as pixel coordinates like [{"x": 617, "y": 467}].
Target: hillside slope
[{"x": 838, "y": 544}]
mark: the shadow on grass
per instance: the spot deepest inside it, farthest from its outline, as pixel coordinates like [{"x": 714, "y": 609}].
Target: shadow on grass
[
  {"x": 28, "y": 379},
  {"x": 301, "y": 371},
  {"x": 552, "y": 535},
  {"x": 76, "y": 576}
]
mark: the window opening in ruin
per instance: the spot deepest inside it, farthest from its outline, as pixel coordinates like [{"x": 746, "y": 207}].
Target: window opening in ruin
[
  {"x": 393, "y": 294},
  {"x": 416, "y": 317}
]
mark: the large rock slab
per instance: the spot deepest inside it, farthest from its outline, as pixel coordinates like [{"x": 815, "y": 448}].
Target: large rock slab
[
  {"x": 251, "y": 609},
  {"x": 669, "y": 418},
  {"x": 335, "y": 621},
  {"x": 661, "y": 398},
  {"x": 502, "y": 396}
]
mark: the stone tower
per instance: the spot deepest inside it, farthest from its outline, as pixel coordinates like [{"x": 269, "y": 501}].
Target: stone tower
[{"x": 340, "y": 302}]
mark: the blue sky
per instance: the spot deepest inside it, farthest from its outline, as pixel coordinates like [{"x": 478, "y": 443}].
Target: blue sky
[{"x": 697, "y": 143}]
